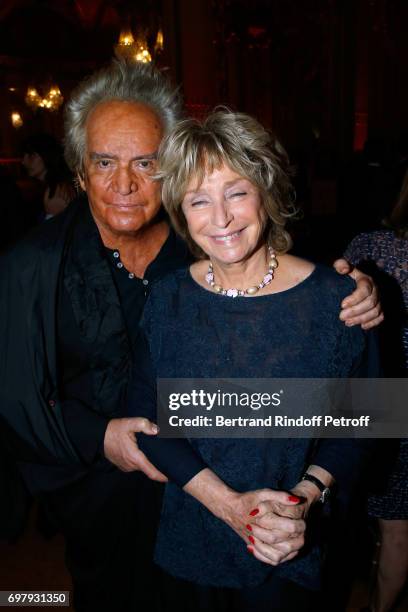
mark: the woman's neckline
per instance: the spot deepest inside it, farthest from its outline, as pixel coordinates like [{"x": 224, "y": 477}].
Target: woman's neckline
[{"x": 284, "y": 292}]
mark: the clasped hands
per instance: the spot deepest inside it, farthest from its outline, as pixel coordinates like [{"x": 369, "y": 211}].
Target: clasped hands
[{"x": 271, "y": 523}]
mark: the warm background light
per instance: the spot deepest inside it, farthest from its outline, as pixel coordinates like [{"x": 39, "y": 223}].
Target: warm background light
[
  {"x": 16, "y": 120},
  {"x": 126, "y": 38},
  {"x": 32, "y": 98},
  {"x": 125, "y": 48},
  {"x": 135, "y": 47},
  {"x": 52, "y": 101},
  {"x": 159, "y": 45},
  {"x": 143, "y": 55}
]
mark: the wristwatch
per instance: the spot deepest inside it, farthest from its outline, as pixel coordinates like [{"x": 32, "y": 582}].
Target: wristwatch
[{"x": 324, "y": 491}]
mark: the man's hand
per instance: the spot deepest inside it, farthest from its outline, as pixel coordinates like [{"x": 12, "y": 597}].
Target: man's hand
[
  {"x": 120, "y": 446},
  {"x": 362, "y": 307}
]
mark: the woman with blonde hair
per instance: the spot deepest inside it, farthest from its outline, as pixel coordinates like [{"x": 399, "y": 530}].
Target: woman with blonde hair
[{"x": 245, "y": 309}]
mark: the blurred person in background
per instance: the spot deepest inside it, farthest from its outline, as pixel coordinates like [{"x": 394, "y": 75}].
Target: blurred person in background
[
  {"x": 14, "y": 218},
  {"x": 43, "y": 159},
  {"x": 366, "y": 189},
  {"x": 384, "y": 254}
]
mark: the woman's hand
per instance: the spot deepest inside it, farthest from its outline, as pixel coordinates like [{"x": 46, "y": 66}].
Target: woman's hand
[
  {"x": 277, "y": 541},
  {"x": 277, "y": 531},
  {"x": 362, "y": 307},
  {"x": 271, "y": 523}
]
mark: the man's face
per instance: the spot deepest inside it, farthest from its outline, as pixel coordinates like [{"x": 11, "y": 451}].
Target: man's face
[{"x": 120, "y": 158}]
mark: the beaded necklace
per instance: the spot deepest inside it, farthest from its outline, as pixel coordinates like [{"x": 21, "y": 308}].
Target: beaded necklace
[{"x": 273, "y": 264}]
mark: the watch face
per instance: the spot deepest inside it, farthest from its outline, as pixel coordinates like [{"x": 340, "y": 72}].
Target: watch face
[{"x": 325, "y": 495}]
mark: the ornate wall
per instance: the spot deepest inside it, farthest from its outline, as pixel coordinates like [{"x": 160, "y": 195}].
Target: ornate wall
[{"x": 322, "y": 72}]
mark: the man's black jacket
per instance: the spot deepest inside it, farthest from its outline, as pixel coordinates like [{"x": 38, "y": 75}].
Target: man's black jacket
[{"x": 30, "y": 408}]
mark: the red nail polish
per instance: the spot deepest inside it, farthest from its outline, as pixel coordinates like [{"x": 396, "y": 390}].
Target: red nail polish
[
  {"x": 251, "y": 550},
  {"x": 251, "y": 539},
  {"x": 294, "y": 498},
  {"x": 249, "y": 527},
  {"x": 254, "y": 512}
]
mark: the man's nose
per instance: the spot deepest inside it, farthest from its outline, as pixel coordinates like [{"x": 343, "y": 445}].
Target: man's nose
[
  {"x": 221, "y": 214},
  {"x": 124, "y": 181}
]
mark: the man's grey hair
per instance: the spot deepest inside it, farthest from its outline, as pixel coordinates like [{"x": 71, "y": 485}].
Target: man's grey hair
[{"x": 121, "y": 80}]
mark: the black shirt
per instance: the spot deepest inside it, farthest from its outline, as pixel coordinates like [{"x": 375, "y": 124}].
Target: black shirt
[
  {"x": 85, "y": 426},
  {"x": 133, "y": 291}
]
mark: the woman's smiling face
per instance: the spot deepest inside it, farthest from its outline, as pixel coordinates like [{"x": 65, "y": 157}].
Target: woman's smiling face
[{"x": 225, "y": 215}]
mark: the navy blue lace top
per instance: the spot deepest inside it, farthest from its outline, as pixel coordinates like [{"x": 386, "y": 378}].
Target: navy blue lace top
[{"x": 194, "y": 333}]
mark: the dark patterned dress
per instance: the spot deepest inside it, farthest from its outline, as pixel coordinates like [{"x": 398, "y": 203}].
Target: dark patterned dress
[
  {"x": 194, "y": 333},
  {"x": 390, "y": 254}
]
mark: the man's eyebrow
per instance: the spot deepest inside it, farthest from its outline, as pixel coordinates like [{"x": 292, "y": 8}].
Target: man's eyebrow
[{"x": 94, "y": 156}]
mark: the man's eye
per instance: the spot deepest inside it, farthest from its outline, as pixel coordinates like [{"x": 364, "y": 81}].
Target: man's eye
[
  {"x": 145, "y": 164},
  {"x": 104, "y": 163}
]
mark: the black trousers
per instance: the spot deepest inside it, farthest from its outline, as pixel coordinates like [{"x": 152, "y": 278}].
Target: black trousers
[
  {"x": 109, "y": 520},
  {"x": 274, "y": 595}
]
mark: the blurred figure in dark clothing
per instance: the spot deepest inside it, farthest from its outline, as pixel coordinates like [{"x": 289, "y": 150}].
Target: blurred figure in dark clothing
[
  {"x": 13, "y": 510},
  {"x": 44, "y": 161},
  {"x": 400, "y": 161},
  {"x": 385, "y": 255},
  {"x": 15, "y": 218},
  {"x": 367, "y": 192}
]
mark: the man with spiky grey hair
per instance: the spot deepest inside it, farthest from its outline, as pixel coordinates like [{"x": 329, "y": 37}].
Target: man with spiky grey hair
[
  {"x": 72, "y": 322},
  {"x": 72, "y": 294}
]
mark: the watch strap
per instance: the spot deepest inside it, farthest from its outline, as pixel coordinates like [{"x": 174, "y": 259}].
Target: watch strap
[{"x": 325, "y": 491}]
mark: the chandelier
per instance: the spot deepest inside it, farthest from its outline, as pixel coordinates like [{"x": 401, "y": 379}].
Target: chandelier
[
  {"x": 136, "y": 48},
  {"x": 51, "y": 101},
  {"x": 142, "y": 51},
  {"x": 125, "y": 48}
]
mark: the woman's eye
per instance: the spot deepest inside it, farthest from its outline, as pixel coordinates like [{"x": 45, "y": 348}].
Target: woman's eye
[
  {"x": 237, "y": 194},
  {"x": 199, "y": 203}
]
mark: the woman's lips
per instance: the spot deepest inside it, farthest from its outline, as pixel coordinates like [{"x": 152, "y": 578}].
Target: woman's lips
[{"x": 227, "y": 238}]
